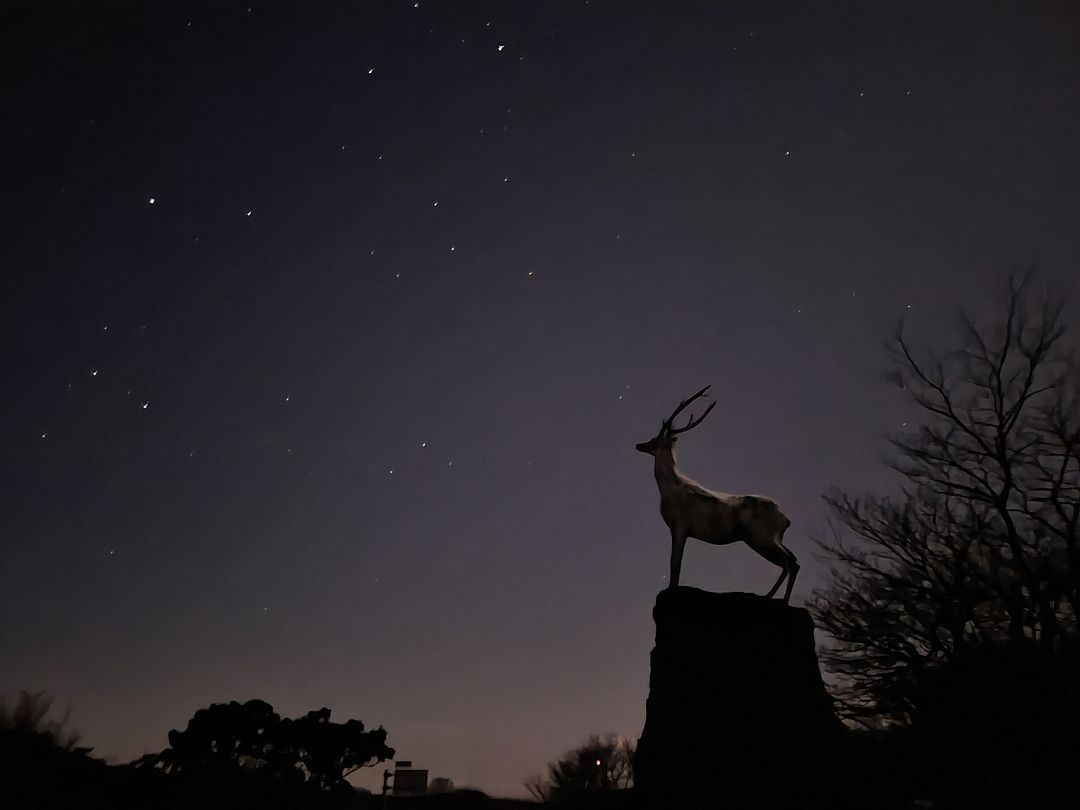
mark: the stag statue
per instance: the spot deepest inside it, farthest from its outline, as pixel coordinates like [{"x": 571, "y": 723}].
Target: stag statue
[{"x": 691, "y": 510}]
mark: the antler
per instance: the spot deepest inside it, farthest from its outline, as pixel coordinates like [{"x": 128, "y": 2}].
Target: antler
[{"x": 682, "y": 406}]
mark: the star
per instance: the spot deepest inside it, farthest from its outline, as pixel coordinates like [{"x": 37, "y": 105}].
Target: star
[{"x": 152, "y": 200}]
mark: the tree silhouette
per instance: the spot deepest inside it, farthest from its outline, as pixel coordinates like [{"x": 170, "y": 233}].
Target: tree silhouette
[
  {"x": 230, "y": 738},
  {"x": 954, "y": 611},
  {"x": 598, "y": 766},
  {"x": 983, "y": 546}
]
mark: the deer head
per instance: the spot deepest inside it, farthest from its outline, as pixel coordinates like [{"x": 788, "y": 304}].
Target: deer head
[{"x": 668, "y": 435}]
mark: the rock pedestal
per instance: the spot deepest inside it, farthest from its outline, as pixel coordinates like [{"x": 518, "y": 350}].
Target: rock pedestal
[{"x": 737, "y": 714}]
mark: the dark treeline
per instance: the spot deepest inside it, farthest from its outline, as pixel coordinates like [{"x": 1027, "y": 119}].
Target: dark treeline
[{"x": 230, "y": 755}]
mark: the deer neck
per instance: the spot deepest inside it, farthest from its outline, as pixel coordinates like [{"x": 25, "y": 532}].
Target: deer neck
[{"x": 667, "y": 477}]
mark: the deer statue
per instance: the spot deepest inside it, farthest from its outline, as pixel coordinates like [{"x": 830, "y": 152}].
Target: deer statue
[{"x": 691, "y": 510}]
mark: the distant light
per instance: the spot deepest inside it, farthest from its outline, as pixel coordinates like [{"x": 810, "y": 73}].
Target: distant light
[
  {"x": 501, "y": 46},
  {"x": 153, "y": 200},
  {"x": 370, "y": 71},
  {"x": 248, "y": 214},
  {"x": 598, "y": 763},
  {"x": 146, "y": 405}
]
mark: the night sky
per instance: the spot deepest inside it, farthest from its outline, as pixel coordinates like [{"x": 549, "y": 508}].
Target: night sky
[{"x": 328, "y": 330}]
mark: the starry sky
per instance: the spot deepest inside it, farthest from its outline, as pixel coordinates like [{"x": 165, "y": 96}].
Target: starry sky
[{"x": 329, "y": 328}]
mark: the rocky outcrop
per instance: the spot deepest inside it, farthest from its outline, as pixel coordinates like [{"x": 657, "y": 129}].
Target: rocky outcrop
[{"x": 737, "y": 714}]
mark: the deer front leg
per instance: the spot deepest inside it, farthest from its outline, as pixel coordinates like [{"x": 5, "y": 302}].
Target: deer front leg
[{"x": 678, "y": 543}]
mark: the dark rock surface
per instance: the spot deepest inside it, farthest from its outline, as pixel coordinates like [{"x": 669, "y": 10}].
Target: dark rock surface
[{"x": 737, "y": 714}]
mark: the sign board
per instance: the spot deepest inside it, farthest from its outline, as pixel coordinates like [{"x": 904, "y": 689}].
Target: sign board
[{"x": 410, "y": 782}]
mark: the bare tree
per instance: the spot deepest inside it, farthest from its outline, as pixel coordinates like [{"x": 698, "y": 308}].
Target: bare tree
[
  {"x": 982, "y": 547},
  {"x": 598, "y": 766}
]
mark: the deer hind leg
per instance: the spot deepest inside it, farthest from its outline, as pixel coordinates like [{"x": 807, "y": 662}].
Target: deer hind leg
[
  {"x": 776, "y": 585},
  {"x": 778, "y": 556}
]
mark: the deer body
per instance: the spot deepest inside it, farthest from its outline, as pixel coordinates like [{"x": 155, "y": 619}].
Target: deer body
[{"x": 718, "y": 518}]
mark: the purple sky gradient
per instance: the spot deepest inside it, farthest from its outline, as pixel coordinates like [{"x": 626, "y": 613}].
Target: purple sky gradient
[{"x": 277, "y": 425}]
